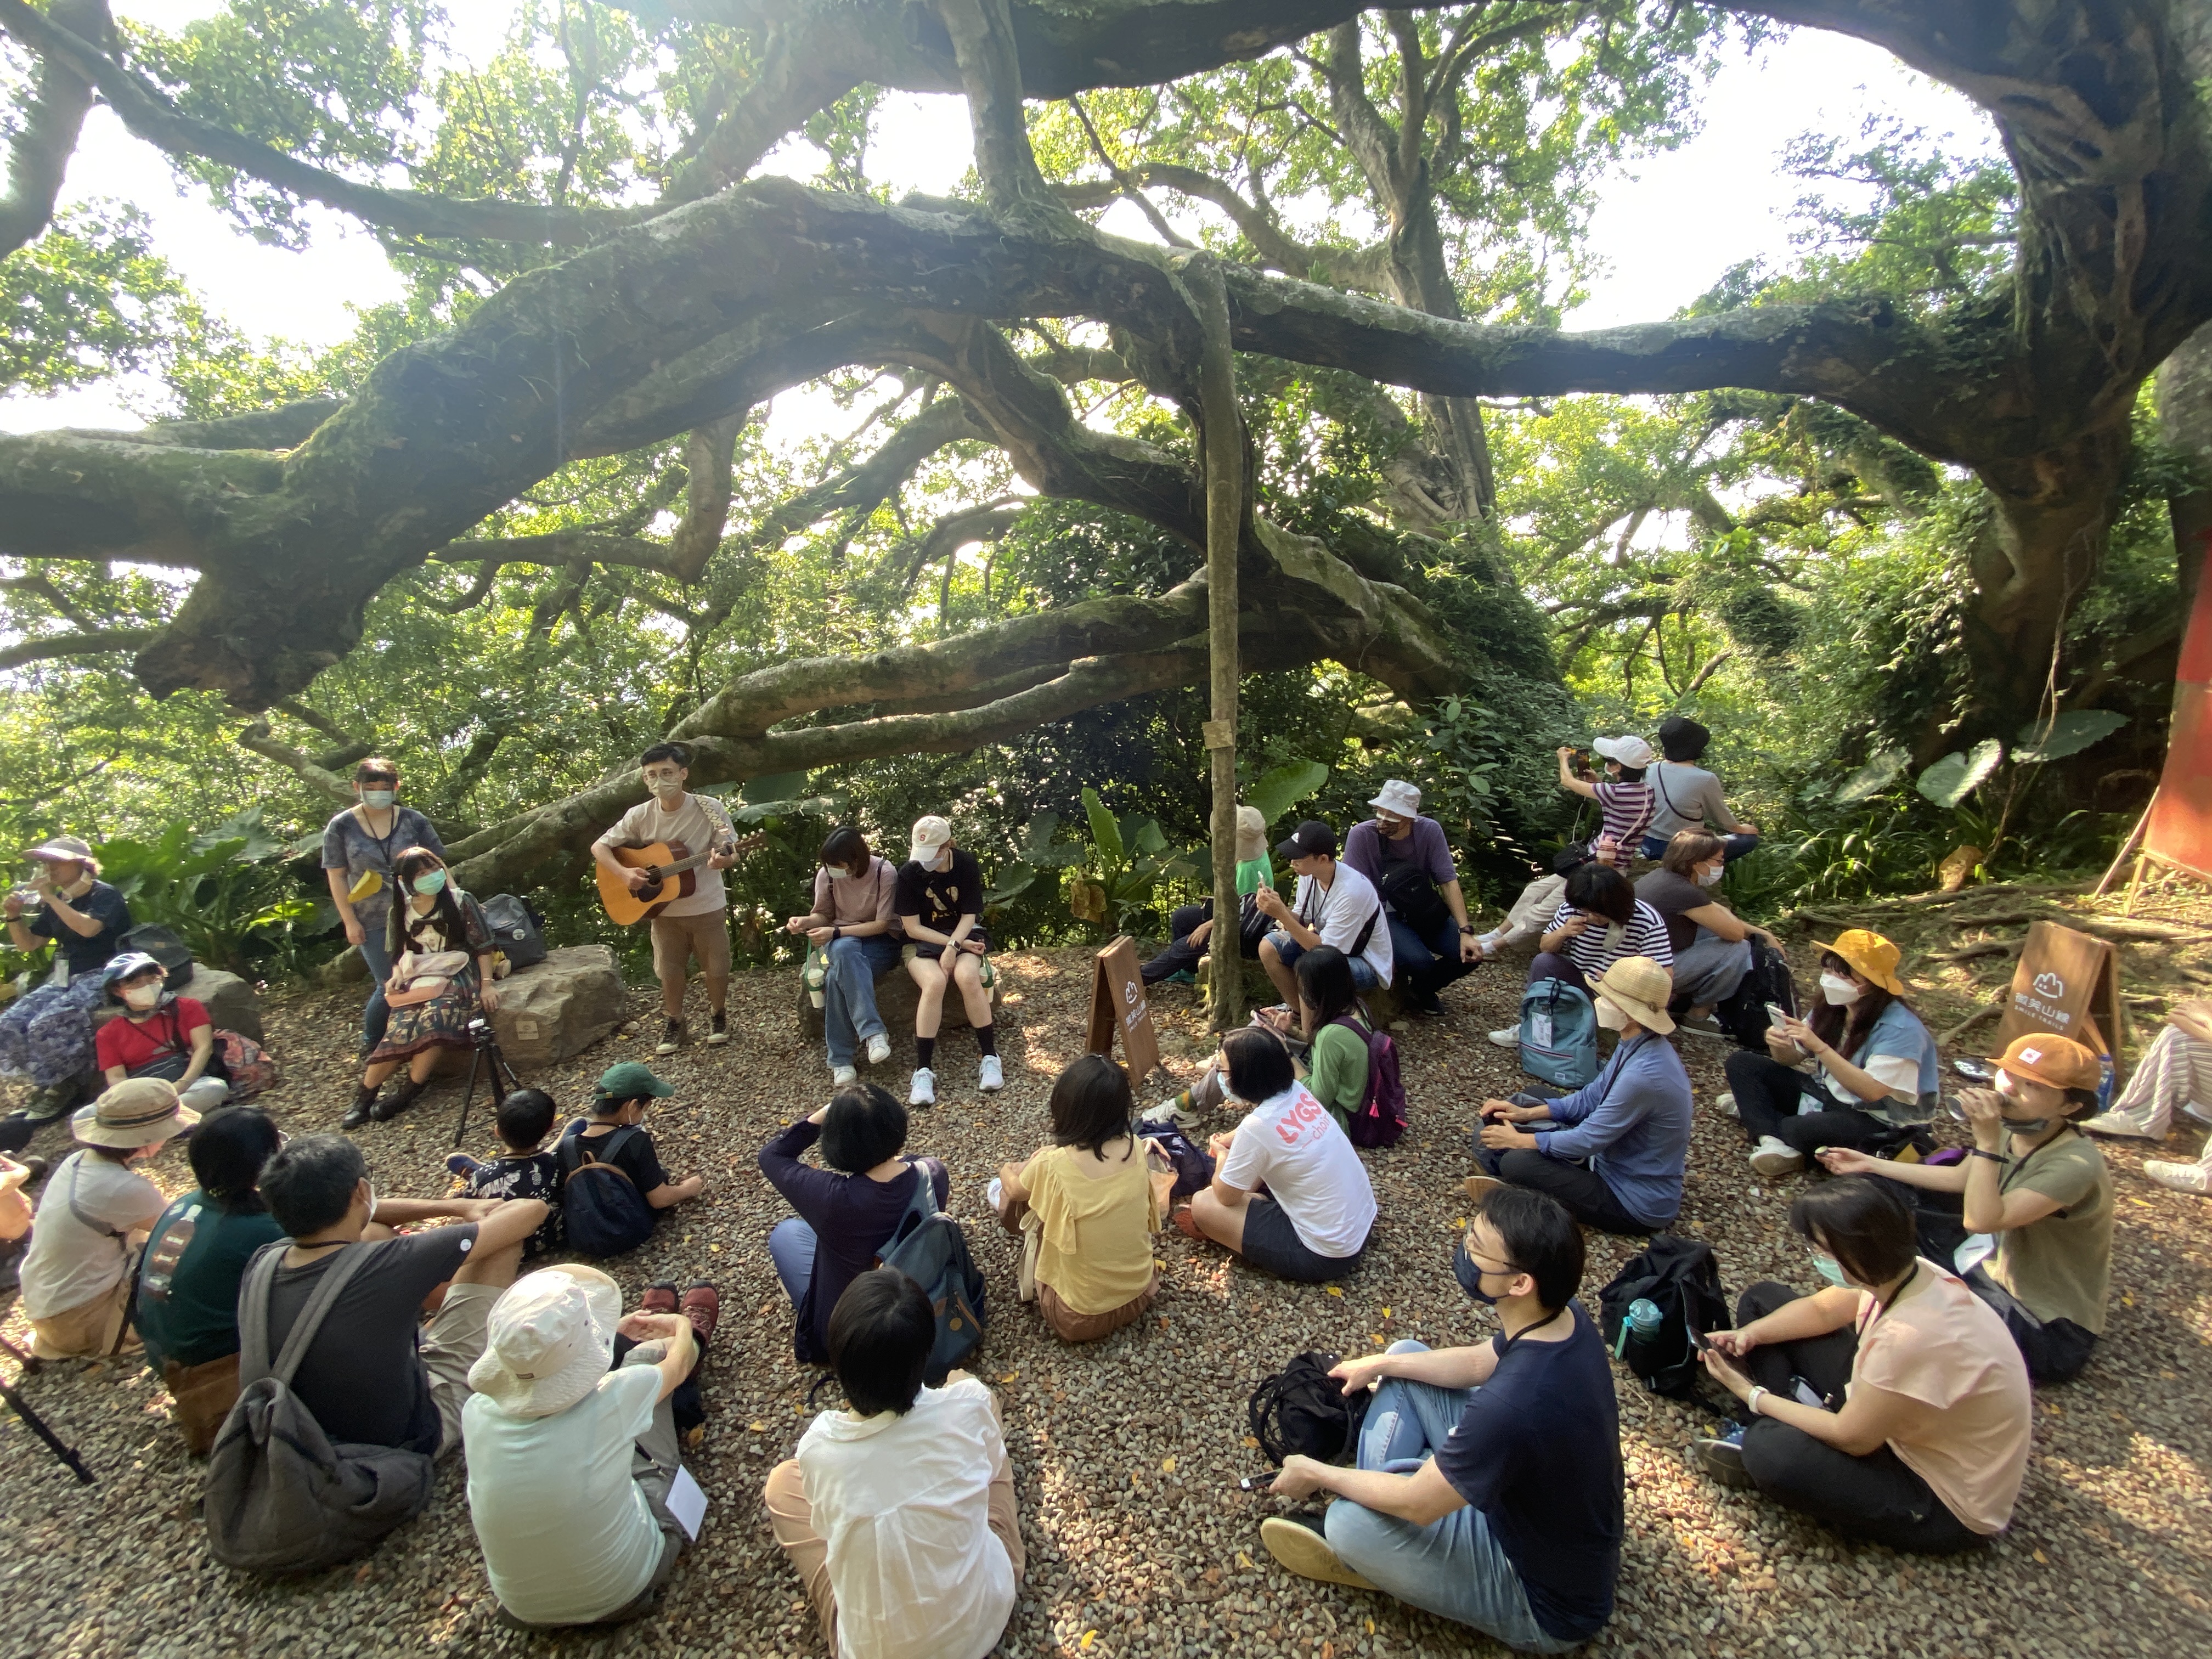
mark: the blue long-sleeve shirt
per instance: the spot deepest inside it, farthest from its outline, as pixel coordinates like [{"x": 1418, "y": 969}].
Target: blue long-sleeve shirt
[{"x": 1631, "y": 1123}]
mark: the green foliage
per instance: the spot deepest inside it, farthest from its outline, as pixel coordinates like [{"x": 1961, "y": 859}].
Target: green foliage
[
  {"x": 1115, "y": 882},
  {"x": 2067, "y": 733},
  {"x": 1952, "y": 779},
  {"x": 228, "y": 892},
  {"x": 91, "y": 299},
  {"x": 1284, "y": 787}
]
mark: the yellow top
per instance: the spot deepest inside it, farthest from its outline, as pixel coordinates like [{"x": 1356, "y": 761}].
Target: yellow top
[{"x": 1095, "y": 1224}]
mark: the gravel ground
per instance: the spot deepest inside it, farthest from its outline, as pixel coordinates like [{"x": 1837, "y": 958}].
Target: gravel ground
[{"x": 1127, "y": 1451}]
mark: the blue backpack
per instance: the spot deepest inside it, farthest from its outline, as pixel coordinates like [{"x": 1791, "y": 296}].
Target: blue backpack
[
  {"x": 601, "y": 1208},
  {"x": 1559, "y": 1034},
  {"x": 929, "y": 1247}
]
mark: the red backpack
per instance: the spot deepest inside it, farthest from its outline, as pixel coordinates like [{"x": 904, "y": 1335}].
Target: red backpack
[{"x": 1381, "y": 1118}]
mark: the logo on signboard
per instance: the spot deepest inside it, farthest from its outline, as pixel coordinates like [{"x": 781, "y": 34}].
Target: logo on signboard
[
  {"x": 1129, "y": 993},
  {"x": 2048, "y": 984}
]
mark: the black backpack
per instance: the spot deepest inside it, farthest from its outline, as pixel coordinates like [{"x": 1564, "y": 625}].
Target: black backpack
[
  {"x": 602, "y": 1210},
  {"x": 1680, "y": 1278},
  {"x": 165, "y": 947},
  {"x": 516, "y": 930},
  {"x": 1744, "y": 1016},
  {"x": 929, "y": 1248},
  {"x": 1304, "y": 1411}
]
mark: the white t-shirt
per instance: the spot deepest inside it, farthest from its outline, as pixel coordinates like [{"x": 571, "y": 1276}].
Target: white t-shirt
[
  {"x": 70, "y": 1263},
  {"x": 1293, "y": 1145},
  {"x": 702, "y": 823},
  {"x": 567, "y": 1534},
  {"x": 903, "y": 1501},
  {"x": 1339, "y": 911}
]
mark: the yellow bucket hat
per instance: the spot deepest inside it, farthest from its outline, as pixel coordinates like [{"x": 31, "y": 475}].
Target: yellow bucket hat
[{"x": 1871, "y": 955}]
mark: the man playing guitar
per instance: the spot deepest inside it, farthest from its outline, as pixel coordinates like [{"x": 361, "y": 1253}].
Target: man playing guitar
[{"x": 697, "y": 924}]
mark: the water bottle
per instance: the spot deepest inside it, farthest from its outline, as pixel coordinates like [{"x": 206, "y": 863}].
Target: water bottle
[
  {"x": 1639, "y": 1334},
  {"x": 2104, "y": 1082},
  {"x": 815, "y": 974}
]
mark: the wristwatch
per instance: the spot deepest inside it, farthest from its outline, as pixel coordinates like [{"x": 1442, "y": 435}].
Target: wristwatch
[
  {"x": 1466, "y": 927},
  {"x": 1994, "y": 1157}
]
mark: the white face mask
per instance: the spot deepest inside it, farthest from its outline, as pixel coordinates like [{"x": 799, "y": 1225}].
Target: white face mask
[
  {"x": 944, "y": 858},
  {"x": 837, "y": 874},
  {"x": 142, "y": 996},
  {"x": 1839, "y": 990},
  {"x": 1611, "y": 1016},
  {"x": 1712, "y": 878}
]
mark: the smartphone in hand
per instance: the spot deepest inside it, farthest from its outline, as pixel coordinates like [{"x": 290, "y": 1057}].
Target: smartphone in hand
[{"x": 1255, "y": 1483}]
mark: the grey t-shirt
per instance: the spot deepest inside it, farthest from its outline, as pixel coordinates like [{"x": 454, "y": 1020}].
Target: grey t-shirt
[
  {"x": 1670, "y": 896},
  {"x": 1689, "y": 798},
  {"x": 349, "y": 845}
]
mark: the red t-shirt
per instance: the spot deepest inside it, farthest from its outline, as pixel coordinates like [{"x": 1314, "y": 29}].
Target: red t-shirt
[{"x": 125, "y": 1043}]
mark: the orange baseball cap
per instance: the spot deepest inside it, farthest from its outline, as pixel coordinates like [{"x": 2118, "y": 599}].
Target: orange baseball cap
[{"x": 2059, "y": 1061}]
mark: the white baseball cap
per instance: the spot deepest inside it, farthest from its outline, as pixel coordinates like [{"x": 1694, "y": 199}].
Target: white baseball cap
[
  {"x": 930, "y": 834},
  {"x": 1399, "y": 797},
  {"x": 1631, "y": 752}
]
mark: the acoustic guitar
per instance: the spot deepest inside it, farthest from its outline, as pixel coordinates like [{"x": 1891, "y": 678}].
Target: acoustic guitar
[{"x": 671, "y": 873}]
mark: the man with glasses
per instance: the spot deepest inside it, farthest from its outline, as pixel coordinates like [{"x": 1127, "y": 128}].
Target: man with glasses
[
  {"x": 1488, "y": 1488},
  {"x": 684, "y": 929},
  {"x": 1409, "y": 861}
]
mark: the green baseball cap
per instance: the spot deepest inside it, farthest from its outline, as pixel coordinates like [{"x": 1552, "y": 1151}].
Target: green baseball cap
[{"x": 630, "y": 1080}]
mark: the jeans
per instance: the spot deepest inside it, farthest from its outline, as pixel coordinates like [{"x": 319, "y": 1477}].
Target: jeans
[
  {"x": 1288, "y": 951},
  {"x": 1767, "y": 1095},
  {"x": 1551, "y": 964},
  {"x": 1709, "y": 969},
  {"x": 1732, "y": 847},
  {"x": 1424, "y": 966},
  {"x": 1453, "y": 1568},
  {"x": 375, "y": 1017},
  {"x": 1182, "y": 956},
  {"x": 849, "y": 993},
  {"x": 1877, "y": 1498},
  {"x": 791, "y": 1251},
  {"x": 1578, "y": 1187}
]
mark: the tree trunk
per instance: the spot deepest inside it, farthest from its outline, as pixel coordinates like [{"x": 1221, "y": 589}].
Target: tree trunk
[
  {"x": 1223, "y": 434},
  {"x": 2185, "y": 422}
]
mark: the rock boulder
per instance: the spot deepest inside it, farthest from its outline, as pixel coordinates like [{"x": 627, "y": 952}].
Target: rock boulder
[
  {"x": 232, "y": 1003},
  {"x": 560, "y": 1006},
  {"x": 895, "y": 996}
]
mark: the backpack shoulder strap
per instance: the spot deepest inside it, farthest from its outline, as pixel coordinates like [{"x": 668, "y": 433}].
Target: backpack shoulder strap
[
  {"x": 351, "y": 1260},
  {"x": 92, "y": 1223}
]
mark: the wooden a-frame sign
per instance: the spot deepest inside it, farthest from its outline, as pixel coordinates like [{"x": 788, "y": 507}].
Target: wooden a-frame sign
[
  {"x": 2068, "y": 984},
  {"x": 1118, "y": 1003}
]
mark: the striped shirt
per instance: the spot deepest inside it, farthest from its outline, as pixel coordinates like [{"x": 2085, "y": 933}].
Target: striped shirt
[
  {"x": 1627, "y": 808},
  {"x": 1595, "y": 948}
]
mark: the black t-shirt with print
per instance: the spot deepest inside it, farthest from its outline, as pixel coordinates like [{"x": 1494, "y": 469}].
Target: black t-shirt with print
[{"x": 941, "y": 897}]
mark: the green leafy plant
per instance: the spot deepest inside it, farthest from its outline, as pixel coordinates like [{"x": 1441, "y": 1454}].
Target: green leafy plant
[
  {"x": 1282, "y": 788},
  {"x": 228, "y": 892},
  {"x": 1951, "y": 780},
  {"x": 1116, "y": 879}
]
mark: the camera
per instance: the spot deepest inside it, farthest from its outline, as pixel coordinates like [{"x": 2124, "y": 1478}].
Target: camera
[{"x": 481, "y": 1034}]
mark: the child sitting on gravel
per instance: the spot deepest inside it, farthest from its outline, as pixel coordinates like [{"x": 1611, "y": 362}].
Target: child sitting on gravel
[{"x": 524, "y": 1120}]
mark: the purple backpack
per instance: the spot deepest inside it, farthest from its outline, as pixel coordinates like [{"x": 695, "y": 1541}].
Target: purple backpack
[{"x": 1381, "y": 1118}]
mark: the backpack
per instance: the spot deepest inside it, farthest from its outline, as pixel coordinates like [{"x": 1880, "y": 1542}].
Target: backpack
[
  {"x": 1381, "y": 1118},
  {"x": 245, "y": 1063},
  {"x": 1559, "y": 1034},
  {"x": 604, "y": 1212},
  {"x": 515, "y": 930},
  {"x": 165, "y": 947},
  {"x": 1412, "y": 897},
  {"x": 281, "y": 1497},
  {"x": 1743, "y": 1015},
  {"x": 1304, "y": 1411},
  {"x": 929, "y": 1247},
  {"x": 1194, "y": 1167},
  {"x": 1680, "y": 1278}
]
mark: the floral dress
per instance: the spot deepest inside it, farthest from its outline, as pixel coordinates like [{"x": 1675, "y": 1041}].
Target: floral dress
[{"x": 442, "y": 1022}]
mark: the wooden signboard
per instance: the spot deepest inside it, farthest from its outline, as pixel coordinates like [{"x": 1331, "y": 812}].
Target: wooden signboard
[
  {"x": 2067, "y": 984},
  {"x": 1118, "y": 1003}
]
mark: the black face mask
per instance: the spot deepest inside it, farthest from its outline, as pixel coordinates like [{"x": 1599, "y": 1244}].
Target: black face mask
[{"x": 1469, "y": 1275}]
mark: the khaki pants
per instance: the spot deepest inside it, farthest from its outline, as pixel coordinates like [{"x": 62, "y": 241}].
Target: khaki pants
[
  {"x": 678, "y": 939},
  {"x": 791, "y": 1519},
  {"x": 89, "y": 1330},
  {"x": 452, "y": 1341}
]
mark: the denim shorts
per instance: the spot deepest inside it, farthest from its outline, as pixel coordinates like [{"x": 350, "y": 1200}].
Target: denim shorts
[{"x": 1288, "y": 951}]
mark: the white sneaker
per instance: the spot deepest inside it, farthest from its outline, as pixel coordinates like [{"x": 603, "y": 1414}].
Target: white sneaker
[
  {"x": 841, "y": 1075},
  {"x": 1725, "y": 1105},
  {"x": 880, "y": 1049},
  {"x": 1168, "y": 1112},
  {"x": 2181, "y": 1177},
  {"x": 2117, "y": 1124},
  {"x": 990, "y": 1076},
  {"x": 1507, "y": 1037},
  {"x": 1776, "y": 1157},
  {"x": 924, "y": 1092}
]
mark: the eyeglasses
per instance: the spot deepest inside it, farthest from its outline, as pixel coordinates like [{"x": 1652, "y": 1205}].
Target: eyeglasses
[
  {"x": 664, "y": 777},
  {"x": 1482, "y": 1261}
]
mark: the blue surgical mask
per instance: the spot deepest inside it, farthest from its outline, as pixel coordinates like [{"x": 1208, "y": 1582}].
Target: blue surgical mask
[
  {"x": 430, "y": 883},
  {"x": 379, "y": 799},
  {"x": 1829, "y": 1269},
  {"x": 1469, "y": 1275}
]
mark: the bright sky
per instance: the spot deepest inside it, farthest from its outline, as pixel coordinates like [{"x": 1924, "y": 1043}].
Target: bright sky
[{"x": 1664, "y": 230}]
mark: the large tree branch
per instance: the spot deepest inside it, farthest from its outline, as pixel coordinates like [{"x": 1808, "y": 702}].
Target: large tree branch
[
  {"x": 148, "y": 113},
  {"x": 97, "y": 643},
  {"x": 46, "y": 133},
  {"x": 799, "y": 71},
  {"x": 982, "y": 34}
]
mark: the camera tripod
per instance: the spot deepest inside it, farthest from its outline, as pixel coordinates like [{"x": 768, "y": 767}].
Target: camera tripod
[
  {"x": 489, "y": 1064},
  {"x": 32, "y": 1421}
]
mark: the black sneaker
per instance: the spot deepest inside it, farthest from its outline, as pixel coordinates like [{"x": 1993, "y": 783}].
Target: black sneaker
[
  {"x": 717, "y": 1032},
  {"x": 671, "y": 1037},
  {"x": 1431, "y": 1006},
  {"x": 1722, "y": 1457}
]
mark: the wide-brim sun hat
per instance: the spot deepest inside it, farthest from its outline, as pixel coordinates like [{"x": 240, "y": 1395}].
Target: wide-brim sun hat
[
  {"x": 62, "y": 850},
  {"x": 1251, "y": 833},
  {"x": 1630, "y": 751},
  {"x": 1870, "y": 955},
  {"x": 1640, "y": 987},
  {"x": 136, "y": 1112},
  {"x": 548, "y": 1340}
]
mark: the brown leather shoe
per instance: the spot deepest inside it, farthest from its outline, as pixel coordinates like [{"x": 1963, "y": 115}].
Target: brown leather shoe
[
  {"x": 703, "y": 1306},
  {"x": 657, "y": 1299}
]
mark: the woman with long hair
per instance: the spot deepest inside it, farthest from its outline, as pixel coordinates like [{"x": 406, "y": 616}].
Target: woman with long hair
[
  {"x": 442, "y": 964},
  {"x": 1872, "y": 1070}
]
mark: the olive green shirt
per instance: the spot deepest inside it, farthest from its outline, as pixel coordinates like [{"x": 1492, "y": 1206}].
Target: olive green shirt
[
  {"x": 1337, "y": 1073},
  {"x": 2060, "y": 1267}
]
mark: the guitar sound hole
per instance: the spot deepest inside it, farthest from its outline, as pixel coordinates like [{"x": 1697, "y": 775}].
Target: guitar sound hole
[{"x": 650, "y": 892}]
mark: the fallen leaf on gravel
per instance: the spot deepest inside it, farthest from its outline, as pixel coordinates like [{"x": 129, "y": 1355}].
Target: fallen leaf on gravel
[
  {"x": 1009, "y": 1377},
  {"x": 2041, "y": 1559},
  {"x": 1167, "y": 1466},
  {"x": 1333, "y": 1290},
  {"x": 1244, "y": 1561},
  {"x": 1089, "y": 1636},
  {"x": 757, "y": 1428}
]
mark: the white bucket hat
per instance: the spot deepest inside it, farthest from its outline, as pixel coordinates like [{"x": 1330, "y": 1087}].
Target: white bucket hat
[
  {"x": 1631, "y": 752},
  {"x": 930, "y": 834},
  {"x": 1399, "y": 797},
  {"x": 548, "y": 1340}
]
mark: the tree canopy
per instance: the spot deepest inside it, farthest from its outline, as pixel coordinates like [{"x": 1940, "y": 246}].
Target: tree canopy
[{"x": 540, "y": 483}]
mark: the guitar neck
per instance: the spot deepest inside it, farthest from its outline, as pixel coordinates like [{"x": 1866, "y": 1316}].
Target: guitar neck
[{"x": 737, "y": 848}]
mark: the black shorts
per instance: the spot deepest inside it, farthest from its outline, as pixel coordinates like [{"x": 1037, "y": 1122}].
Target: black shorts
[
  {"x": 1272, "y": 1242},
  {"x": 930, "y": 952}
]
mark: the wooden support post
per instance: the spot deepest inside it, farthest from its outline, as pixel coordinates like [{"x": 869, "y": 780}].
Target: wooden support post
[{"x": 1224, "y": 439}]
